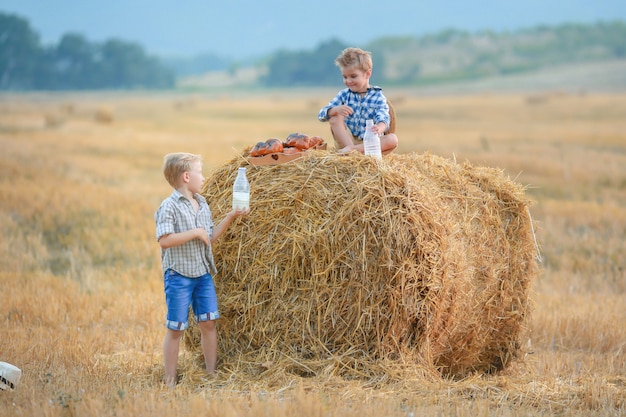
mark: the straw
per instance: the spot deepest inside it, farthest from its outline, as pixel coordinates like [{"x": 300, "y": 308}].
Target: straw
[{"x": 356, "y": 268}]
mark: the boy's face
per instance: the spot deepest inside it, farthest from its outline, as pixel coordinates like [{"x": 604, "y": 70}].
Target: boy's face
[
  {"x": 195, "y": 179},
  {"x": 356, "y": 79}
]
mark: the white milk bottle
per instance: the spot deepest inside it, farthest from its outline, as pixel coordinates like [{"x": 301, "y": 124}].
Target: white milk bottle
[
  {"x": 241, "y": 190},
  {"x": 371, "y": 141}
]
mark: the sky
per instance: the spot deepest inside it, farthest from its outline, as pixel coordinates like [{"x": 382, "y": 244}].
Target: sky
[{"x": 241, "y": 29}]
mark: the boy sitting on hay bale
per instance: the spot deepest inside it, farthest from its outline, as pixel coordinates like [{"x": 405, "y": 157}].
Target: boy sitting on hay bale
[
  {"x": 184, "y": 229},
  {"x": 352, "y": 106}
]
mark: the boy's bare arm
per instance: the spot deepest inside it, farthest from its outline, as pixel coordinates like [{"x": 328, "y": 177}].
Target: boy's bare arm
[
  {"x": 175, "y": 239},
  {"x": 342, "y": 110},
  {"x": 223, "y": 225}
]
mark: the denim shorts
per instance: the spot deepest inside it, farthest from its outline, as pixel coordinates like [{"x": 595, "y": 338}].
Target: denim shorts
[{"x": 182, "y": 292}]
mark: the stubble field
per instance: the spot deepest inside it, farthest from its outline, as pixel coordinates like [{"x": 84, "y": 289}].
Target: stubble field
[{"x": 81, "y": 298}]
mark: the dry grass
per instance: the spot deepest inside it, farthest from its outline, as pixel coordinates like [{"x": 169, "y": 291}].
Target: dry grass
[{"x": 81, "y": 299}]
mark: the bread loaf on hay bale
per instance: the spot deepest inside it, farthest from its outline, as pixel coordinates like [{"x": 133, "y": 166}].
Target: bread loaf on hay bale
[{"x": 345, "y": 264}]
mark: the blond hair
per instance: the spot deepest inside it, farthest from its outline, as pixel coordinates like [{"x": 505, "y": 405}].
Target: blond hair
[
  {"x": 175, "y": 164},
  {"x": 355, "y": 57}
]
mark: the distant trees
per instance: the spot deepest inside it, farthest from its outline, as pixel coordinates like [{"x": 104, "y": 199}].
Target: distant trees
[
  {"x": 305, "y": 68},
  {"x": 74, "y": 63},
  {"x": 456, "y": 55},
  {"x": 19, "y": 53}
]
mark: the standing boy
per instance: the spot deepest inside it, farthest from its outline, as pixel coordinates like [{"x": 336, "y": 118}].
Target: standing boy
[
  {"x": 184, "y": 229},
  {"x": 352, "y": 106}
]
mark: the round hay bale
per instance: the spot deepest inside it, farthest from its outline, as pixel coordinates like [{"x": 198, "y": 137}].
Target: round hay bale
[
  {"x": 104, "y": 115},
  {"x": 345, "y": 263}
]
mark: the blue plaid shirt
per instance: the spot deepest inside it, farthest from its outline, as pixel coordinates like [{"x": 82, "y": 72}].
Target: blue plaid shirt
[
  {"x": 176, "y": 214},
  {"x": 373, "y": 105}
]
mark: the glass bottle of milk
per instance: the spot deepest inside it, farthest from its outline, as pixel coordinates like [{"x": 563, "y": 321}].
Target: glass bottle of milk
[
  {"x": 371, "y": 141},
  {"x": 241, "y": 190}
]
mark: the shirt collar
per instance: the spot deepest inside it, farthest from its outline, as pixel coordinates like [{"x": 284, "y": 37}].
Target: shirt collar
[
  {"x": 369, "y": 89},
  {"x": 177, "y": 195}
]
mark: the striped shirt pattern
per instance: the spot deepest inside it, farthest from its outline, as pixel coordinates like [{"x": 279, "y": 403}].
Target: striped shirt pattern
[
  {"x": 373, "y": 105},
  {"x": 175, "y": 215}
]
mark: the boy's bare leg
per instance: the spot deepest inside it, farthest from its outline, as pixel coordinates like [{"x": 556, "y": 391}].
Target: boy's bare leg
[
  {"x": 208, "y": 342},
  {"x": 171, "y": 345},
  {"x": 342, "y": 135},
  {"x": 388, "y": 142},
  {"x": 344, "y": 139}
]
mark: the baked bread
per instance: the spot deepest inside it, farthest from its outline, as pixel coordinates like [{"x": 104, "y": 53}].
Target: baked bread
[
  {"x": 270, "y": 146},
  {"x": 298, "y": 140}
]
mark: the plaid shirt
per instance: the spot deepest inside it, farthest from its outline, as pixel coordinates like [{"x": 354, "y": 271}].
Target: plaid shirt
[
  {"x": 176, "y": 214},
  {"x": 373, "y": 105}
]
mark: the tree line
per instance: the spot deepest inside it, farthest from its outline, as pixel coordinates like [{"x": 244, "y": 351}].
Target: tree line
[
  {"x": 74, "y": 63},
  {"x": 78, "y": 64},
  {"x": 452, "y": 55}
]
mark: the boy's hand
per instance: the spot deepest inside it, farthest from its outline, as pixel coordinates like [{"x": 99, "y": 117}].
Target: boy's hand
[
  {"x": 203, "y": 235},
  {"x": 379, "y": 128},
  {"x": 344, "y": 111},
  {"x": 239, "y": 212}
]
